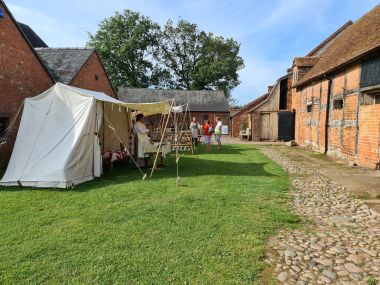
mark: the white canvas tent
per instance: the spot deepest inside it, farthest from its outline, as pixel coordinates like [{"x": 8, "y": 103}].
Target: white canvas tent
[{"x": 60, "y": 133}]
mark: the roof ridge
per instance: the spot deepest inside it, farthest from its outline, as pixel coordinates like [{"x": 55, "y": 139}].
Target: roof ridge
[
  {"x": 64, "y": 48},
  {"x": 330, "y": 38}
]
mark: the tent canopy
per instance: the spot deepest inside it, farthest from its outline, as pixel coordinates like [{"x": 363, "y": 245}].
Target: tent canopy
[
  {"x": 146, "y": 108},
  {"x": 59, "y": 137}
]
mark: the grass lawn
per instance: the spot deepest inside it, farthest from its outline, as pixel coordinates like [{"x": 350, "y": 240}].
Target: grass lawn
[{"x": 121, "y": 230}]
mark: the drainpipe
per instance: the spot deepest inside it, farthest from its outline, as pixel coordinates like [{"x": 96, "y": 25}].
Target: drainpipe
[{"x": 327, "y": 116}]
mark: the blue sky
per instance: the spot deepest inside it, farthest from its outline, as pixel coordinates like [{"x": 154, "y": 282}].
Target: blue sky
[{"x": 271, "y": 32}]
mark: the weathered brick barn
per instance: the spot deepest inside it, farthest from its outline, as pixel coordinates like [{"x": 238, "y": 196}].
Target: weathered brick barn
[
  {"x": 26, "y": 71},
  {"x": 337, "y": 95},
  {"x": 204, "y": 104}
]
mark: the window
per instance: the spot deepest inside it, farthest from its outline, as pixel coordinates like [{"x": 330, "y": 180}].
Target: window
[
  {"x": 309, "y": 104},
  {"x": 338, "y": 104},
  {"x": 205, "y": 117},
  {"x": 3, "y": 126},
  {"x": 369, "y": 99},
  {"x": 370, "y": 73}
]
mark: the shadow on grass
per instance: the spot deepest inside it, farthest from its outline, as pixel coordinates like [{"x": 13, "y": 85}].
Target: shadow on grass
[{"x": 190, "y": 166}]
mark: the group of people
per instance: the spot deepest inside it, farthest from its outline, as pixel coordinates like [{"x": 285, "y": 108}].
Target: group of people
[{"x": 207, "y": 131}]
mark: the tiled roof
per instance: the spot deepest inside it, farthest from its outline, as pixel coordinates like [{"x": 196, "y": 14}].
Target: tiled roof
[
  {"x": 34, "y": 40},
  {"x": 323, "y": 45},
  {"x": 64, "y": 63},
  {"x": 199, "y": 100},
  {"x": 357, "y": 40},
  {"x": 305, "y": 61}
]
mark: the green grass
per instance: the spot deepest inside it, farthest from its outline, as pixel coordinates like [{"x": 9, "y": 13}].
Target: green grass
[{"x": 121, "y": 230}]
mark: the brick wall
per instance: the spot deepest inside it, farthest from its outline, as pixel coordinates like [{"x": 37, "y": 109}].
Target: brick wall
[
  {"x": 354, "y": 129},
  {"x": 21, "y": 76},
  {"x": 224, "y": 116},
  {"x": 92, "y": 76}
]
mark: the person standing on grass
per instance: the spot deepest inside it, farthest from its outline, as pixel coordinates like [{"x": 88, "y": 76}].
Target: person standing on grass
[
  {"x": 218, "y": 132},
  {"x": 194, "y": 127},
  {"x": 207, "y": 132}
]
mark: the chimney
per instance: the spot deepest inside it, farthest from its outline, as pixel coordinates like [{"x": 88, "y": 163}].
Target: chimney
[{"x": 270, "y": 88}]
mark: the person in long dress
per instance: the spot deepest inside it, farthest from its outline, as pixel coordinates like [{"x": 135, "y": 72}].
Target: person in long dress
[{"x": 194, "y": 127}]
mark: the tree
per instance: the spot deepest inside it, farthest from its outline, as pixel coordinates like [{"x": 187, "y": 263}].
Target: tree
[
  {"x": 127, "y": 44},
  {"x": 137, "y": 53},
  {"x": 196, "y": 60},
  {"x": 218, "y": 67}
]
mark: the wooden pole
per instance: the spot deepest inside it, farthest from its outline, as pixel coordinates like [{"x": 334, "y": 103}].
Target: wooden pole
[{"x": 162, "y": 139}]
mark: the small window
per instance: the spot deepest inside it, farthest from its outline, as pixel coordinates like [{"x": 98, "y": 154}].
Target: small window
[
  {"x": 370, "y": 99},
  {"x": 338, "y": 104},
  {"x": 3, "y": 126},
  {"x": 308, "y": 108}
]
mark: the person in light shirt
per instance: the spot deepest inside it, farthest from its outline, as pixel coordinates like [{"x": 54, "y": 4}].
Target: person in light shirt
[
  {"x": 139, "y": 127},
  {"x": 218, "y": 132}
]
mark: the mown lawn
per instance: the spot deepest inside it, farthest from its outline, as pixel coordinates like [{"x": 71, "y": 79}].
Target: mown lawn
[{"x": 121, "y": 230}]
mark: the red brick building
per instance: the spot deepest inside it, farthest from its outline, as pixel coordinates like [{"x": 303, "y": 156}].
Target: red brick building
[
  {"x": 26, "y": 71},
  {"x": 22, "y": 75},
  {"x": 241, "y": 119},
  {"x": 336, "y": 94}
]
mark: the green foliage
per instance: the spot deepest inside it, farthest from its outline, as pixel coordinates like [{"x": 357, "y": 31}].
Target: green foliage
[
  {"x": 371, "y": 281},
  {"x": 138, "y": 53},
  {"x": 119, "y": 229},
  {"x": 126, "y": 43}
]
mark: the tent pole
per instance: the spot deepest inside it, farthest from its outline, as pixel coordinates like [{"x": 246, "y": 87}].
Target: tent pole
[{"x": 162, "y": 139}]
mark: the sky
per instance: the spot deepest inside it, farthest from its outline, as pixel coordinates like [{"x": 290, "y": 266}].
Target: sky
[{"x": 271, "y": 33}]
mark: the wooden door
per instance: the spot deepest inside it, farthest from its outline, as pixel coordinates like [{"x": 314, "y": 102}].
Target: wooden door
[{"x": 265, "y": 126}]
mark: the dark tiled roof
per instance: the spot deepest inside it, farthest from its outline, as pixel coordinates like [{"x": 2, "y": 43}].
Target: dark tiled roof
[
  {"x": 357, "y": 40},
  {"x": 34, "y": 40},
  {"x": 250, "y": 105},
  {"x": 199, "y": 100},
  {"x": 64, "y": 63}
]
